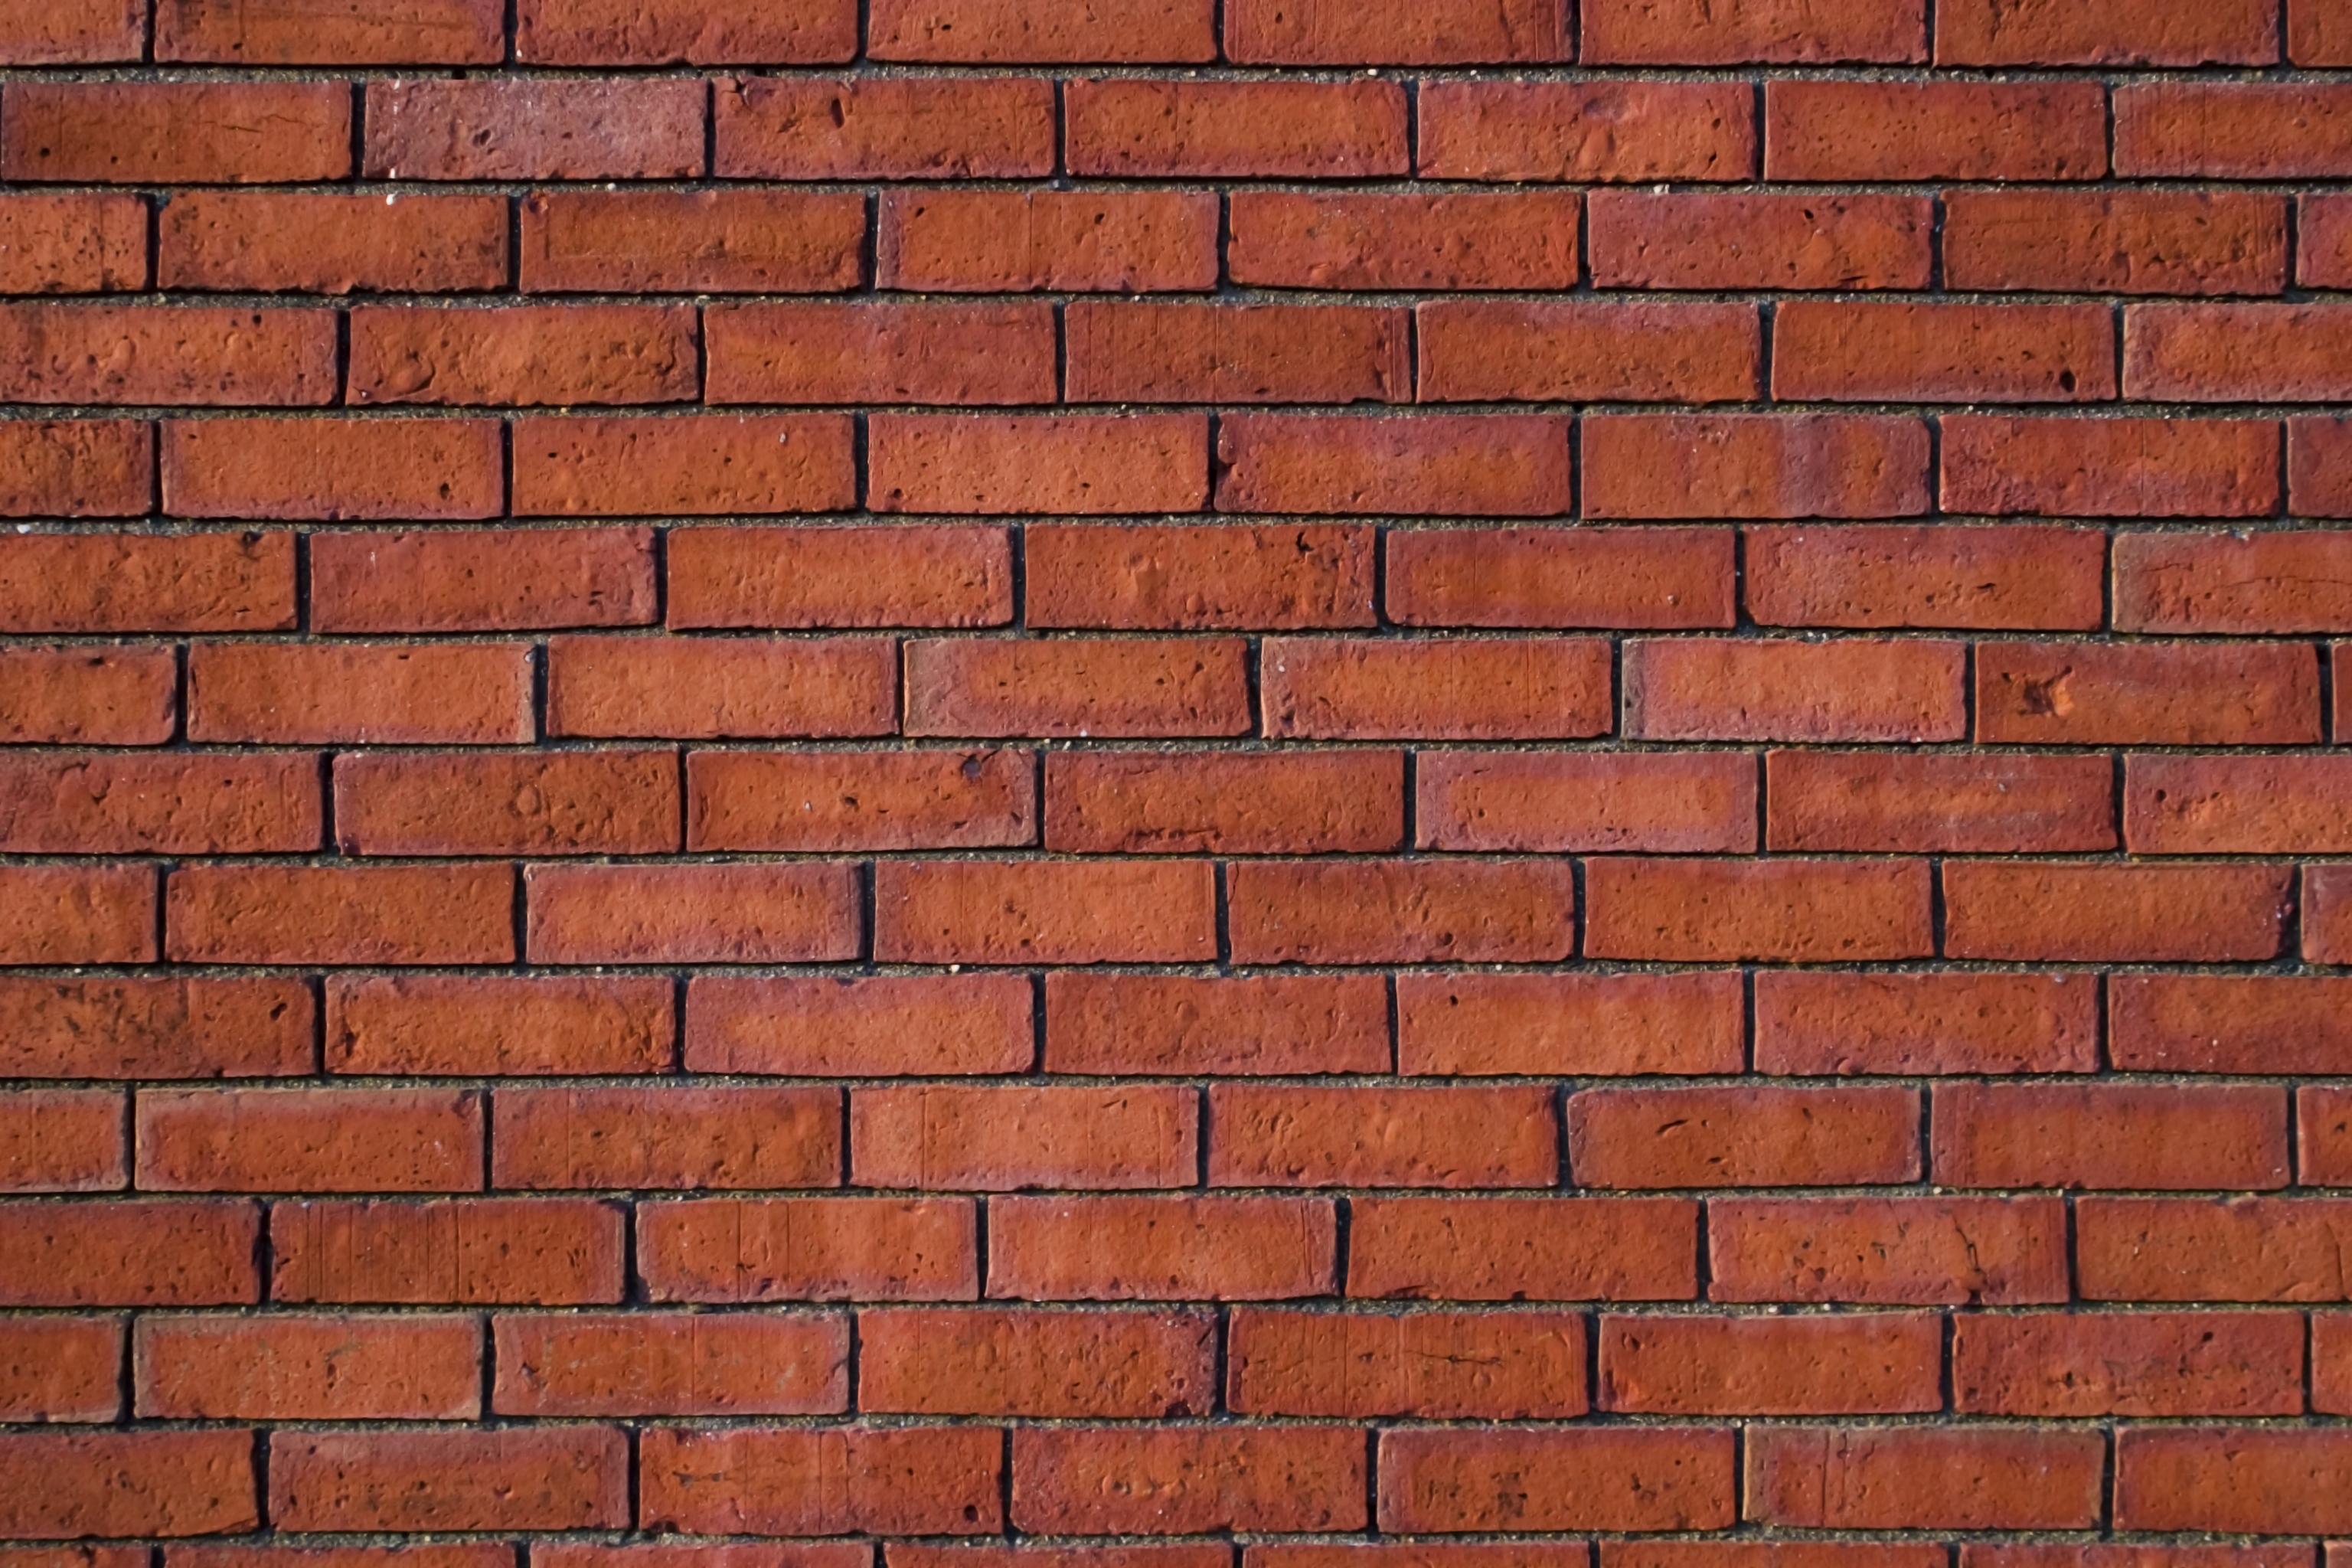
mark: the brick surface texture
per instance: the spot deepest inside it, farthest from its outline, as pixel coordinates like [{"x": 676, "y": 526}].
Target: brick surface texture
[{"x": 1176, "y": 784}]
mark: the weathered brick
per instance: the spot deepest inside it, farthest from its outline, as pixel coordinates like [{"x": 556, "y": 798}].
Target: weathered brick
[
  {"x": 1878, "y": 802},
  {"x": 63, "y": 1141},
  {"x": 691, "y": 465},
  {"x": 289, "y": 32},
  {"x": 1584, "y": 1025},
  {"x": 143, "y": 1253},
  {"x": 1764, "y": 1136},
  {"x": 1132, "y": 352},
  {"x": 314, "y": 1367},
  {"x": 926, "y": 1480},
  {"x": 1286, "y": 129},
  {"x": 1646, "y": 239},
  {"x": 700, "y": 32},
  {"x": 1069, "y": 688},
  {"x": 1941, "y": 1023},
  {"x": 1785, "y": 690},
  {"x": 1159, "y": 1248},
  {"x": 42, "y": 35},
  {"x": 2234, "y": 1479},
  {"x": 176, "y": 132},
  {"x": 1817, "y": 129},
  {"x": 77, "y": 467},
  {"x": 60, "y": 1369},
  {"x": 62, "y": 1485},
  {"x": 1298, "y": 802},
  {"x": 74, "y": 914},
  {"x": 1348, "y": 239},
  {"x": 1912, "y": 1477},
  {"x": 503, "y": 580},
  {"x": 2115, "y": 241},
  {"x": 470, "y": 1026},
  {"x": 554, "y": 128},
  {"x": 1523, "y": 1248},
  {"x": 1586, "y": 132},
  {"x": 1030, "y": 911},
  {"x": 811, "y": 577},
  {"x": 2016, "y": 576},
  {"x": 1037, "y": 463},
  {"x": 670, "y": 1363},
  {"x": 1848, "y": 1364},
  {"x": 676, "y": 1137},
  {"x": 1007, "y": 1138},
  {"x": 2081, "y": 912},
  {"x": 148, "y": 1027},
  {"x": 2128, "y": 1363},
  {"x": 2109, "y": 1135},
  {"x": 1690, "y": 465},
  {"x": 762, "y": 687},
  {"x": 340, "y": 914},
  {"x": 2282, "y": 580},
  {"x": 1995, "y": 33},
  {"x": 310, "y": 1140},
  {"x": 1027, "y": 31},
  {"x": 1540, "y": 577},
  {"x": 1649, "y": 1478},
  {"x": 2235, "y": 1024},
  {"x": 2180, "y": 694},
  {"x": 1456, "y": 690},
  {"x": 547, "y": 1478},
  {"x": 1187, "y": 1480},
  {"x": 1127, "y": 242},
  {"x": 533, "y": 1251},
  {"x": 89, "y": 696},
  {"x": 1450, "y": 465},
  {"x": 832, "y": 801},
  {"x": 959, "y": 1361},
  {"x": 1280, "y": 1136},
  {"x": 1479, "y": 1365},
  {"x": 2110, "y": 468},
  {"x": 2211, "y": 1249},
  {"x": 2237, "y": 806},
  {"x": 754, "y": 912},
  {"x": 1182, "y": 1026},
  {"x": 1858, "y": 352},
  {"x": 883, "y": 128},
  {"x": 461, "y": 693},
  {"x": 809, "y": 1249},
  {"x": 576, "y": 803},
  {"x": 72, "y": 243},
  {"x": 1401, "y": 912},
  {"x": 849, "y": 1027},
  {"x": 1643, "y": 802},
  {"x": 424, "y": 470},
  {"x": 1476, "y": 351},
  {"x": 2233, "y": 129},
  {"x": 983, "y": 353},
  {"x": 1909, "y": 1251}
]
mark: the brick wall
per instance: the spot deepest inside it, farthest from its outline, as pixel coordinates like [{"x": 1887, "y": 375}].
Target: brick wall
[{"x": 1175, "y": 784}]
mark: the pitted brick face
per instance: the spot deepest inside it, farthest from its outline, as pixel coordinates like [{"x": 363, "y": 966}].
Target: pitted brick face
[{"x": 1175, "y": 784}]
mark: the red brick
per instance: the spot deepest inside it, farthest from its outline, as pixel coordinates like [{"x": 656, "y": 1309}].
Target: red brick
[
  {"x": 1350, "y": 240},
  {"x": 809, "y": 1249},
  {"x": 2316, "y": 32},
  {"x": 1524, "y": 1248},
  {"x": 290, "y": 32},
  {"x": 537, "y": 1251},
  {"x": 2324, "y": 243},
  {"x": 955, "y": 1361},
  {"x": 1381, "y": 689},
  {"x": 1482, "y": 1365},
  {"x": 2015, "y": 576},
  {"x": 2330, "y": 1345},
  {"x": 1222, "y": 802},
  {"x": 77, "y": 914},
  {"x": 1689, "y": 464},
  {"x": 309, "y": 1368},
  {"x": 2128, "y": 1363},
  {"x": 1180, "y": 1481},
  {"x": 1124, "y": 242},
  {"x": 504, "y": 580},
  {"x": 2235, "y": 352},
  {"x": 1805, "y": 1554},
  {"x": 1037, "y": 463},
  {"x": 629, "y": 353},
  {"x": 2237, "y": 806},
  {"x": 1102, "y": 688},
  {"x": 87, "y": 696},
  {"x": 459, "y": 693},
  {"x": 470, "y": 1026},
  {"x": 2234, "y": 130},
  {"x": 1401, "y": 912},
  {"x": 2327, "y": 915},
  {"x": 315, "y": 1140},
  {"x": 1043, "y": 911},
  {"x": 1935, "y": 131},
  {"x": 137, "y": 1254},
  {"x": 340, "y": 914},
  {"x": 576, "y": 128},
  {"x": 1867, "y": 802},
  {"x": 35, "y": 34},
  {"x": 77, "y": 467},
  {"x": 1189, "y": 577},
  {"x": 1282, "y": 130},
  {"x": 1580, "y": 1024},
  {"x": 2211, "y": 1249},
  {"x": 60, "y": 1485},
  {"x": 1646, "y": 239},
  {"x": 1009, "y": 1137},
  {"x": 1182, "y": 1025},
  {"x": 973, "y": 354},
  {"x": 2319, "y": 467},
  {"x": 270, "y": 241},
  {"x": 1160, "y": 1248},
  {"x": 62, "y": 1140},
  {"x": 2234, "y": 1479},
  {"x": 834, "y": 801},
  {"x": 1276, "y": 1136},
  {"x": 1453, "y": 465},
  {"x": 2109, "y": 1135},
  {"x": 1193, "y": 352},
  {"x": 1911, "y": 1024},
  {"x": 176, "y": 132},
  {"x": 428, "y": 471},
  {"x": 1653, "y": 1478},
  {"x": 2182, "y": 694},
  {"x": 182, "y": 354},
  {"x": 1992, "y": 32},
  {"x": 2111, "y": 468},
  {"x": 2282, "y": 580},
  {"x": 1910, "y": 1477},
  {"x": 60, "y": 1369},
  {"x": 757, "y": 687},
  {"x": 1390, "y": 32},
  {"x": 519, "y": 1479},
  {"x": 688, "y": 466},
  {"x": 131, "y": 1028},
  {"x": 700, "y": 32},
  {"x": 916, "y": 1554},
  {"x": 872, "y": 1028},
  {"x": 1693, "y": 32},
  {"x": 2233, "y": 1024},
  {"x": 1841, "y": 350},
  {"x": 884, "y": 128},
  {"x": 574, "y": 803},
  {"x": 914, "y": 1480},
  {"x": 810, "y": 577},
  {"x": 1877, "y": 1364},
  {"x": 2133, "y": 914},
  {"x": 1584, "y": 803},
  {"x": 2115, "y": 241},
  {"x": 730, "y": 1136},
  {"x": 1906, "y": 1251},
  {"x": 1027, "y": 31},
  {"x": 1790, "y": 910},
  {"x": 1536, "y": 577},
  {"x": 2323, "y": 1137},
  {"x": 1584, "y": 131},
  {"x": 101, "y": 583},
  {"x": 1785, "y": 690},
  {"x": 671, "y": 1363},
  {"x": 72, "y": 242},
  {"x": 1758, "y": 1137},
  {"x": 772, "y": 912},
  {"x": 1479, "y": 350}
]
